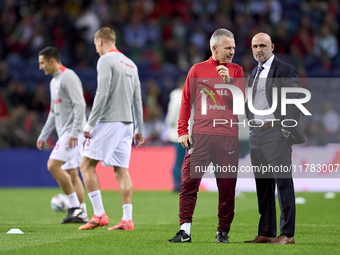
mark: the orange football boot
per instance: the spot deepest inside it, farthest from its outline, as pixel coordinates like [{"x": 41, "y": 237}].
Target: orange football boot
[
  {"x": 96, "y": 222},
  {"x": 123, "y": 225}
]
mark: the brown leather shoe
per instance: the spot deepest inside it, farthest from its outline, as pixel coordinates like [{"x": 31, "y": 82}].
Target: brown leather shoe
[
  {"x": 261, "y": 239},
  {"x": 282, "y": 239}
]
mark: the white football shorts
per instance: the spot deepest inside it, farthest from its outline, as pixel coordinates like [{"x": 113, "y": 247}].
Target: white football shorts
[
  {"x": 111, "y": 143},
  {"x": 71, "y": 157}
]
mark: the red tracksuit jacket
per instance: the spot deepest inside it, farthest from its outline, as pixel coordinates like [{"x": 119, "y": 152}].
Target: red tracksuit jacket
[{"x": 210, "y": 102}]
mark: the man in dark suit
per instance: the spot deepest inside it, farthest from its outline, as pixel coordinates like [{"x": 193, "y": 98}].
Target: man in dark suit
[{"x": 271, "y": 139}]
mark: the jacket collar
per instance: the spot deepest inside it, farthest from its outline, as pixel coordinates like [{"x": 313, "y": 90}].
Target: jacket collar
[{"x": 217, "y": 63}]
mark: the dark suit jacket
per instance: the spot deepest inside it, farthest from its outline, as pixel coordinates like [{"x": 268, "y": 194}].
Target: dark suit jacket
[{"x": 281, "y": 75}]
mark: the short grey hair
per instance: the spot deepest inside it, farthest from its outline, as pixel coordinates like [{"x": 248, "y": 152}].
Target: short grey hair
[{"x": 216, "y": 36}]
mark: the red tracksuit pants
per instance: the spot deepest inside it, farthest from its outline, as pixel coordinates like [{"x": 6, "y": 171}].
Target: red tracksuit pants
[{"x": 222, "y": 151}]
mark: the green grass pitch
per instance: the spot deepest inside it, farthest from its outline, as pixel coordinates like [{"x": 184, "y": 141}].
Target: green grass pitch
[{"x": 155, "y": 216}]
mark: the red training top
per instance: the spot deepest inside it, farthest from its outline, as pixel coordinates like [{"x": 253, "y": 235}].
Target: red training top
[{"x": 204, "y": 88}]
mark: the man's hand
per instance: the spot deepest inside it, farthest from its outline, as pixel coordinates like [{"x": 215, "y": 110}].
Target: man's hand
[
  {"x": 138, "y": 139},
  {"x": 40, "y": 144},
  {"x": 185, "y": 141},
  {"x": 72, "y": 142},
  {"x": 87, "y": 135},
  {"x": 223, "y": 72}
]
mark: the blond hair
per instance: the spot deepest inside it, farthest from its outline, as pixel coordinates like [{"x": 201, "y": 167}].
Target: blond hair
[{"x": 105, "y": 33}]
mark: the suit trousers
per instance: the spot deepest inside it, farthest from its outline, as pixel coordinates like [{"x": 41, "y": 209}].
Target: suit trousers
[
  {"x": 222, "y": 151},
  {"x": 271, "y": 152}
]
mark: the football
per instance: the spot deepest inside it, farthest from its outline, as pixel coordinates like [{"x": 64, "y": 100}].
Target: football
[{"x": 60, "y": 203}]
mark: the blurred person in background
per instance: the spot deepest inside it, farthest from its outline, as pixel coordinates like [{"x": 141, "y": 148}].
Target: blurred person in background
[
  {"x": 171, "y": 121},
  {"x": 330, "y": 120},
  {"x": 153, "y": 114},
  {"x": 326, "y": 46}
]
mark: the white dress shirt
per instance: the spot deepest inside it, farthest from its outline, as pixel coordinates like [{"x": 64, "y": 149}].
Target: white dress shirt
[{"x": 260, "y": 100}]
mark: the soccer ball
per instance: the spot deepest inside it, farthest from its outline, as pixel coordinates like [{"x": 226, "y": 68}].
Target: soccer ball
[{"x": 60, "y": 203}]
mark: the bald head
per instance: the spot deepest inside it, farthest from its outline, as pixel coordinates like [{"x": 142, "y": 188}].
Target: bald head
[
  {"x": 262, "y": 47},
  {"x": 263, "y": 37}
]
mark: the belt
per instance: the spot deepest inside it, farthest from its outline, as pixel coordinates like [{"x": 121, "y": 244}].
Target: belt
[{"x": 266, "y": 125}]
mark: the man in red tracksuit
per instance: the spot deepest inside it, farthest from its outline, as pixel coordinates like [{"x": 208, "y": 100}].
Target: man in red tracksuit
[{"x": 214, "y": 133}]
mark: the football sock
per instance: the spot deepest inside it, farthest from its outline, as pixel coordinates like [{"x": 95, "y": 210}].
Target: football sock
[
  {"x": 73, "y": 198},
  {"x": 127, "y": 212},
  {"x": 84, "y": 214},
  {"x": 186, "y": 227},
  {"x": 97, "y": 202}
]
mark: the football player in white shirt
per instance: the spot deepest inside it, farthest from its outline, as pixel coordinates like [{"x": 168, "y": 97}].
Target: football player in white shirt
[
  {"x": 116, "y": 111},
  {"x": 67, "y": 115}
]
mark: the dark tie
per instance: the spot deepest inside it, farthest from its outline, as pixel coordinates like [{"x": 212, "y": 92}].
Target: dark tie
[{"x": 256, "y": 81}]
